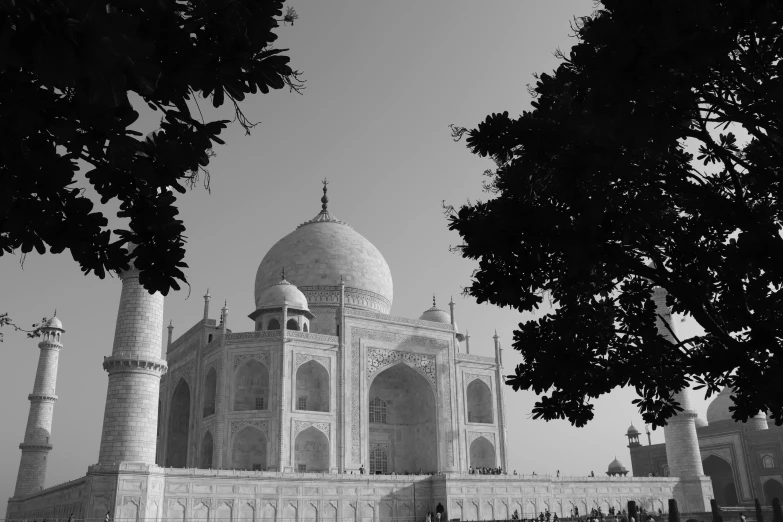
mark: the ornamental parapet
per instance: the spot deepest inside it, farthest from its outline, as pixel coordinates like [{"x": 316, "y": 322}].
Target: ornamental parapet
[
  {"x": 39, "y": 397},
  {"x": 126, "y": 362},
  {"x": 353, "y": 312},
  {"x": 475, "y": 358},
  {"x": 35, "y": 447}
]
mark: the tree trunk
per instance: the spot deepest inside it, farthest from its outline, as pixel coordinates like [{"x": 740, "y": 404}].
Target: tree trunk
[
  {"x": 759, "y": 515},
  {"x": 674, "y": 512}
]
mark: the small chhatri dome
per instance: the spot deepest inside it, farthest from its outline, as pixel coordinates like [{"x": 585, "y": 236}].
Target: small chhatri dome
[
  {"x": 632, "y": 430},
  {"x": 435, "y": 314},
  {"x": 282, "y": 293},
  {"x": 617, "y": 467},
  {"x": 54, "y": 322}
]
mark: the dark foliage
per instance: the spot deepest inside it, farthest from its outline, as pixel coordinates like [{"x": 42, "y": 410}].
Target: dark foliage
[
  {"x": 66, "y": 69},
  {"x": 597, "y": 199}
]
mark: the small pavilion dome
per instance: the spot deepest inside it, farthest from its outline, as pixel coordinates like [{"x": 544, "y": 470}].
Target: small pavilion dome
[
  {"x": 54, "y": 322},
  {"x": 435, "y": 314},
  {"x": 282, "y": 293},
  {"x": 617, "y": 467},
  {"x": 632, "y": 430}
]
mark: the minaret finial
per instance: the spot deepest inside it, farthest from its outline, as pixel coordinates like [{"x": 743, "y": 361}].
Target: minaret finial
[
  {"x": 324, "y": 199},
  {"x": 283, "y": 274},
  {"x": 55, "y": 313},
  {"x": 433, "y": 301}
]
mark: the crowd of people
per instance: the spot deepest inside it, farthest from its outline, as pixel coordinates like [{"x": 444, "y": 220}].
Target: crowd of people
[
  {"x": 485, "y": 471},
  {"x": 595, "y": 515}
]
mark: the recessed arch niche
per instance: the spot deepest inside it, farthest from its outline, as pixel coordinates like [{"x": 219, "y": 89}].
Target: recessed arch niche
[
  {"x": 312, "y": 387},
  {"x": 311, "y": 451},
  {"x": 722, "y": 475},
  {"x": 251, "y": 386},
  {"x": 210, "y": 388},
  {"x": 179, "y": 420},
  {"x": 248, "y": 449},
  {"x": 409, "y": 424},
  {"x": 482, "y": 453},
  {"x": 479, "y": 400},
  {"x": 207, "y": 449},
  {"x": 772, "y": 489}
]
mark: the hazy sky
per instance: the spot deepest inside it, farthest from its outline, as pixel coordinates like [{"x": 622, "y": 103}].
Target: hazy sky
[{"x": 384, "y": 80}]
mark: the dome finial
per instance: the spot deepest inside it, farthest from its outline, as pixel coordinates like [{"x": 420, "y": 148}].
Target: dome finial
[
  {"x": 324, "y": 199},
  {"x": 283, "y": 274},
  {"x": 433, "y": 301}
]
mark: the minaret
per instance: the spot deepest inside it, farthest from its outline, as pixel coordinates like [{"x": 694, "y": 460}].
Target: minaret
[
  {"x": 171, "y": 332},
  {"x": 224, "y": 316},
  {"x": 467, "y": 342},
  {"x": 682, "y": 444},
  {"x": 206, "y": 305},
  {"x": 501, "y": 408},
  {"x": 36, "y": 446},
  {"x": 130, "y": 420}
]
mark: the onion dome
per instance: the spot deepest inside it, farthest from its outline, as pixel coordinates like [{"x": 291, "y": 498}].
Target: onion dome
[
  {"x": 701, "y": 423},
  {"x": 718, "y": 413},
  {"x": 322, "y": 253},
  {"x": 632, "y": 430},
  {"x": 616, "y": 468},
  {"x": 435, "y": 314}
]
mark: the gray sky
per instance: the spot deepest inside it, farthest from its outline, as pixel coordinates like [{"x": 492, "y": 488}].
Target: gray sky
[{"x": 384, "y": 80}]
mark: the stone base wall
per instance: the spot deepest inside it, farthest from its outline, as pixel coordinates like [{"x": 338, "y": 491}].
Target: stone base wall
[{"x": 135, "y": 492}]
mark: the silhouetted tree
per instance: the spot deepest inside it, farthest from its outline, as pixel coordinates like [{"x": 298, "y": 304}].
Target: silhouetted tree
[
  {"x": 777, "y": 515},
  {"x": 66, "y": 70},
  {"x": 596, "y": 199},
  {"x": 715, "y": 508},
  {"x": 759, "y": 514}
]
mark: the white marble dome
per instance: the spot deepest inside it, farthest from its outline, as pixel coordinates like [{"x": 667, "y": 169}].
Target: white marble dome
[
  {"x": 616, "y": 467},
  {"x": 54, "y": 322},
  {"x": 322, "y": 251},
  {"x": 436, "y": 315},
  {"x": 718, "y": 410},
  {"x": 282, "y": 293}
]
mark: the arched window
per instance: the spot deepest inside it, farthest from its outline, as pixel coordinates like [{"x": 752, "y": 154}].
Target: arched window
[
  {"x": 767, "y": 462},
  {"x": 479, "y": 402},
  {"x": 179, "y": 420},
  {"x": 292, "y": 325},
  {"x": 379, "y": 461},
  {"x": 210, "y": 388},
  {"x": 209, "y": 338},
  {"x": 273, "y": 324},
  {"x": 378, "y": 411}
]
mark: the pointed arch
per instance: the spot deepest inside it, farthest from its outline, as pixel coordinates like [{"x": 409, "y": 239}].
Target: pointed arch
[
  {"x": 251, "y": 386},
  {"x": 311, "y": 451},
  {"x": 207, "y": 450},
  {"x": 721, "y": 473},
  {"x": 312, "y": 387},
  {"x": 479, "y": 402},
  {"x": 482, "y": 453},
  {"x": 210, "y": 392},
  {"x": 273, "y": 324},
  {"x": 179, "y": 425},
  {"x": 292, "y": 324},
  {"x": 772, "y": 489},
  {"x": 248, "y": 449}
]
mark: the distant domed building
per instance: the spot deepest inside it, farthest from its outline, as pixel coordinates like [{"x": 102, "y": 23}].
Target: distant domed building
[
  {"x": 744, "y": 460},
  {"x": 616, "y": 469}
]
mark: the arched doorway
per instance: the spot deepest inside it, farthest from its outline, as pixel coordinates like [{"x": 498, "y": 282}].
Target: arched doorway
[
  {"x": 402, "y": 415},
  {"x": 251, "y": 387},
  {"x": 482, "y": 453},
  {"x": 207, "y": 446},
  {"x": 312, "y": 387},
  {"x": 722, "y": 476},
  {"x": 772, "y": 489},
  {"x": 210, "y": 387},
  {"x": 479, "y": 402},
  {"x": 179, "y": 420},
  {"x": 248, "y": 450},
  {"x": 311, "y": 451}
]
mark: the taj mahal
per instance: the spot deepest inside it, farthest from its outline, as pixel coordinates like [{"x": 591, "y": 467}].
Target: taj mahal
[{"x": 326, "y": 407}]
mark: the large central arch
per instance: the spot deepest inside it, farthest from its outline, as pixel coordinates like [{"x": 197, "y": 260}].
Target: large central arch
[
  {"x": 402, "y": 413},
  {"x": 722, "y": 476}
]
